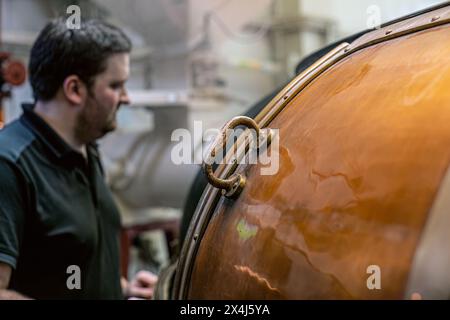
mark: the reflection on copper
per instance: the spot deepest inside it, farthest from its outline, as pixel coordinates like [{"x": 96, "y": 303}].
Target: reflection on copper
[
  {"x": 246, "y": 231},
  {"x": 265, "y": 190},
  {"x": 252, "y": 274},
  {"x": 352, "y": 82}
]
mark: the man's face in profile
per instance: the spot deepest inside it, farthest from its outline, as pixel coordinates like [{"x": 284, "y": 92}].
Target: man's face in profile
[{"x": 106, "y": 95}]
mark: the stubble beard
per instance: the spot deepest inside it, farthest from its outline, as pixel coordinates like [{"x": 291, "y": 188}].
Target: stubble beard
[{"x": 88, "y": 128}]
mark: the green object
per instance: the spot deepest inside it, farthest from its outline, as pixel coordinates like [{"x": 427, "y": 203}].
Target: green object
[{"x": 245, "y": 230}]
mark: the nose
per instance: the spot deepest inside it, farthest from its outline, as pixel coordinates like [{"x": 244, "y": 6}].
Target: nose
[{"x": 124, "y": 98}]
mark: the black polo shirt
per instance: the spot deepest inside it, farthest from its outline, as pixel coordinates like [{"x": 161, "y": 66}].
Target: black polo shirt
[{"x": 56, "y": 212}]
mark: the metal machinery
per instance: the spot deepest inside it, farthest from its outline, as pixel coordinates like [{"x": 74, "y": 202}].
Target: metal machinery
[{"x": 12, "y": 73}]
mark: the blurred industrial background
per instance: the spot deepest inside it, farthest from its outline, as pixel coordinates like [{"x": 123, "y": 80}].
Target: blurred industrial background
[{"x": 193, "y": 60}]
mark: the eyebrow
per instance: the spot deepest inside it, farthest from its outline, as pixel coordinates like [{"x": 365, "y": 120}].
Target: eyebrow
[{"x": 118, "y": 81}]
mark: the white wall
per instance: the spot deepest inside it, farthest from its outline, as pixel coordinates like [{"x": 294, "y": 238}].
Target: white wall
[{"x": 351, "y": 15}]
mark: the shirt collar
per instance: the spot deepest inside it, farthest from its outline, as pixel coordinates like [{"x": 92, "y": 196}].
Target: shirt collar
[{"x": 50, "y": 137}]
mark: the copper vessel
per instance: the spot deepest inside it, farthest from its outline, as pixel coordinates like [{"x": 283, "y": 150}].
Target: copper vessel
[{"x": 360, "y": 205}]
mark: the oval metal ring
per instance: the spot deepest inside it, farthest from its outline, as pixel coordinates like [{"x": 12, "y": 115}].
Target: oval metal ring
[{"x": 232, "y": 186}]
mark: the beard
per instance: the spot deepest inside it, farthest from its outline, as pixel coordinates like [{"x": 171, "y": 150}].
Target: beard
[{"x": 94, "y": 121}]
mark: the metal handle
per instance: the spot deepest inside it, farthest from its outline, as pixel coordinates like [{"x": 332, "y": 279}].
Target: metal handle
[{"x": 232, "y": 186}]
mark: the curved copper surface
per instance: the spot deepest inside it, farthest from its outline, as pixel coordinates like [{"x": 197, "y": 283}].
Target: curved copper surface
[{"x": 363, "y": 151}]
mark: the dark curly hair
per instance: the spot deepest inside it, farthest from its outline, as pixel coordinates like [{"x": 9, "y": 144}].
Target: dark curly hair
[{"x": 59, "y": 52}]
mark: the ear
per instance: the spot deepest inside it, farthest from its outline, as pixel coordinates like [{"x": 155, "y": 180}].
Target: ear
[{"x": 74, "y": 90}]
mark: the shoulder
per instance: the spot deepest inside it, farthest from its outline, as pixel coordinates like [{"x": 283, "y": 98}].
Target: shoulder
[{"x": 15, "y": 138}]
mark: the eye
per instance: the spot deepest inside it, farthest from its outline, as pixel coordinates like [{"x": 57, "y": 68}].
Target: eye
[{"x": 116, "y": 86}]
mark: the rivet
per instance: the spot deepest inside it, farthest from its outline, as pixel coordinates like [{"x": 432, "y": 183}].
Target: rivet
[
  {"x": 346, "y": 50},
  {"x": 285, "y": 97},
  {"x": 195, "y": 237},
  {"x": 435, "y": 18},
  {"x": 388, "y": 32}
]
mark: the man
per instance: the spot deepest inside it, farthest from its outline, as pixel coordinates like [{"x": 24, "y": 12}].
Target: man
[{"x": 59, "y": 226}]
